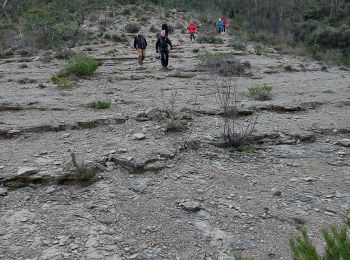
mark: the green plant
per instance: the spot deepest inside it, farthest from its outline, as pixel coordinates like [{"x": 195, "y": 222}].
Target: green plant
[
  {"x": 209, "y": 39},
  {"x": 127, "y": 11},
  {"x": 260, "y": 92},
  {"x": 132, "y": 28},
  {"x": 63, "y": 81},
  {"x": 251, "y": 148},
  {"x": 80, "y": 65},
  {"x": 337, "y": 244},
  {"x": 77, "y": 172},
  {"x": 9, "y": 52},
  {"x": 224, "y": 64},
  {"x": 23, "y": 52},
  {"x": 217, "y": 56},
  {"x": 101, "y": 104}
]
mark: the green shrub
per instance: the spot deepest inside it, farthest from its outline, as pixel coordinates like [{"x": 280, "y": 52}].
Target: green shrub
[
  {"x": 337, "y": 244},
  {"x": 132, "y": 28},
  {"x": 101, "y": 104},
  {"x": 48, "y": 25},
  {"x": 63, "y": 82},
  {"x": 23, "y": 52},
  {"x": 224, "y": 64},
  {"x": 217, "y": 56},
  {"x": 209, "y": 39},
  {"x": 257, "y": 91},
  {"x": 77, "y": 172},
  {"x": 80, "y": 66},
  {"x": 127, "y": 11},
  {"x": 247, "y": 148},
  {"x": 9, "y": 52}
]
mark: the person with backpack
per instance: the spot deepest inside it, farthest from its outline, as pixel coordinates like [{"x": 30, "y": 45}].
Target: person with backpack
[
  {"x": 165, "y": 28},
  {"x": 225, "y": 22},
  {"x": 192, "y": 27},
  {"x": 162, "y": 47},
  {"x": 140, "y": 44},
  {"x": 219, "y": 25}
]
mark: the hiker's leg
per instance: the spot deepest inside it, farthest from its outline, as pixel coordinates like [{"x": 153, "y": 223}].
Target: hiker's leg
[
  {"x": 143, "y": 55},
  {"x": 224, "y": 28},
  {"x": 139, "y": 53},
  {"x": 162, "y": 58},
  {"x": 166, "y": 62},
  {"x": 194, "y": 37}
]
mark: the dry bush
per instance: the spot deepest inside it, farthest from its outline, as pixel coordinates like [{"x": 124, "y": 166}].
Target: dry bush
[{"x": 234, "y": 134}]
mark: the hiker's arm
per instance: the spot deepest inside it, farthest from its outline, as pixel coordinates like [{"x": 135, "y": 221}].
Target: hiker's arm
[
  {"x": 157, "y": 45},
  {"x": 170, "y": 44},
  {"x": 135, "y": 41}
]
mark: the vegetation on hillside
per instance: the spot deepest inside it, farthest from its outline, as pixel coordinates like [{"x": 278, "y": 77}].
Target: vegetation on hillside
[{"x": 319, "y": 28}]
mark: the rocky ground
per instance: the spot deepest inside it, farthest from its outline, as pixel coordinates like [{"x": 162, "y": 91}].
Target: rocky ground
[{"x": 163, "y": 195}]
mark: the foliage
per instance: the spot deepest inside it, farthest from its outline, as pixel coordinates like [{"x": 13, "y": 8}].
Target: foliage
[
  {"x": 247, "y": 148},
  {"x": 78, "y": 172},
  {"x": 9, "y": 52},
  {"x": 209, "y": 39},
  {"x": 260, "y": 92},
  {"x": 233, "y": 133},
  {"x": 48, "y": 26},
  {"x": 337, "y": 244},
  {"x": 132, "y": 28},
  {"x": 224, "y": 64},
  {"x": 80, "y": 65},
  {"x": 63, "y": 81},
  {"x": 217, "y": 56},
  {"x": 101, "y": 104}
]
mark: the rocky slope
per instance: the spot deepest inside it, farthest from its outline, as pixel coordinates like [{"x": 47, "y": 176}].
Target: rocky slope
[{"x": 167, "y": 195}]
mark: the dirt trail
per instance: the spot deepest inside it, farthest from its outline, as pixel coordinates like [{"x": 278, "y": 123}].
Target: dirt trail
[{"x": 191, "y": 199}]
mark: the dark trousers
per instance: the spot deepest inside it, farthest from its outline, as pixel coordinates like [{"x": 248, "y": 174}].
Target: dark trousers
[
  {"x": 224, "y": 28},
  {"x": 164, "y": 55},
  {"x": 192, "y": 37},
  {"x": 220, "y": 29}
]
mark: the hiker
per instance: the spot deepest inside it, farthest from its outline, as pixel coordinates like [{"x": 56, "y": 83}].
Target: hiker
[
  {"x": 165, "y": 28},
  {"x": 140, "y": 44},
  {"x": 225, "y": 22},
  {"x": 192, "y": 27},
  {"x": 219, "y": 25},
  {"x": 162, "y": 47}
]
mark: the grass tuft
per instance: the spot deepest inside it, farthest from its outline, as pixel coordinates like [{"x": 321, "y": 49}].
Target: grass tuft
[{"x": 101, "y": 104}]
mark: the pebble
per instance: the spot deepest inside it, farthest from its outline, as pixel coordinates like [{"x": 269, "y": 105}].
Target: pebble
[
  {"x": 138, "y": 136},
  {"x": 192, "y": 206},
  {"x": 66, "y": 135},
  {"x": 309, "y": 179}
]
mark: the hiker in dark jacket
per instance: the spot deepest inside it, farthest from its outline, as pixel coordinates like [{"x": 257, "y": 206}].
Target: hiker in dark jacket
[
  {"x": 140, "y": 44},
  {"x": 162, "y": 47},
  {"x": 166, "y": 29}
]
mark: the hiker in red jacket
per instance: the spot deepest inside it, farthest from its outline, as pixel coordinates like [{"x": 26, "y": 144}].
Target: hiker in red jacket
[
  {"x": 225, "y": 22},
  {"x": 192, "y": 27}
]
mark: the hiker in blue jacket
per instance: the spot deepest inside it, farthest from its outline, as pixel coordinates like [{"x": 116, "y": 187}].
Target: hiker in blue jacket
[{"x": 220, "y": 25}]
